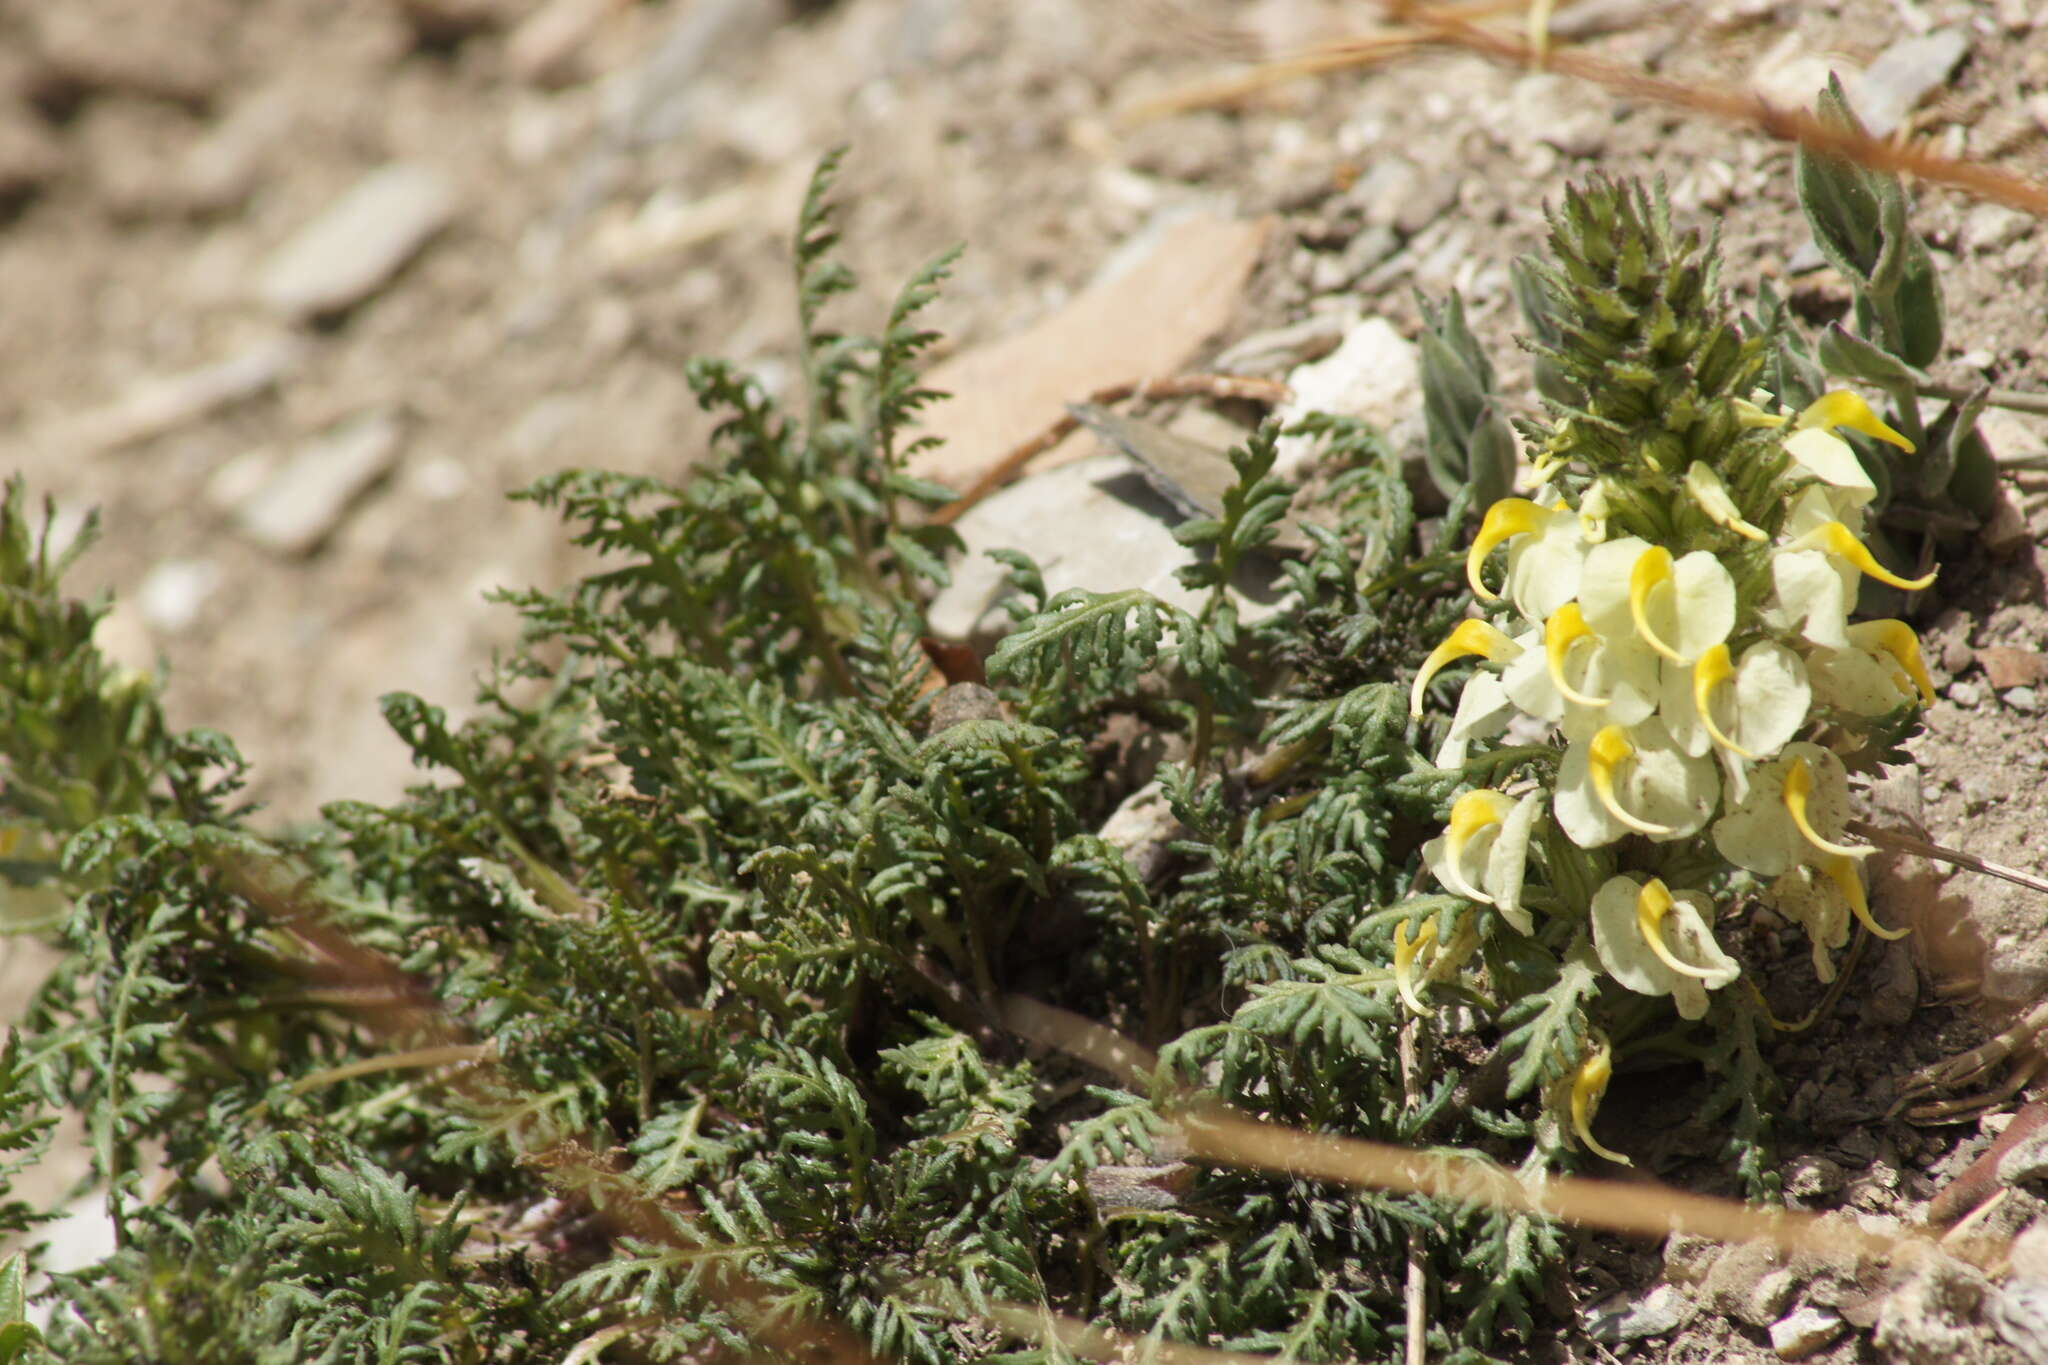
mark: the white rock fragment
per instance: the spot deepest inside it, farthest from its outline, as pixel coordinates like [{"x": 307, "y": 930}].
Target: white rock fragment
[
  {"x": 360, "y": 241},
  {"x": 304, "y": 501},
  {"x": 1663, "y": 1310},
  {"x": 1082, "y": 534},
  {"x": 1800, "y": 1334},
  {"x": 1374, "y": 374},
  {"x": 171, "y": 595},
  {"x": 1903, "y": 75}
]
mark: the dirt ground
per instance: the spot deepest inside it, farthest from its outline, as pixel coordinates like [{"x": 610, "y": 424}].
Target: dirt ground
[{"x": 613, "y": 195}]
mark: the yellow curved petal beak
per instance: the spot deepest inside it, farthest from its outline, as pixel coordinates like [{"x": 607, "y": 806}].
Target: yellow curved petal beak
[
  {"x": 1714, "y": 668},
  {"x": 1405, "y": 953},
  {"x": 1609, "y": 750},
  {"x": 1506, "y": 519},
  {"x": 1842, "y": 872},
  {"x": 1652, "y": 566},
  {"x": 1897, "y": 639},
  {"x": 1588, "y": 1085},
  {"x": 1653, "y": 903},
  {"x": 1839, "y": 541},
  {"x": 1713, "y": 497},
  {"x": 1566, "y": 626},
  {"x": 1798, "y": 787},
  {"x": 1845, "y": 409},
  {"x": 1469, "y": 638}
]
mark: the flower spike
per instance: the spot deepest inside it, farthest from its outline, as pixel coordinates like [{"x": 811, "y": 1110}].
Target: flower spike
[
  {"x": 1506, "y": 519},
  {"x": 1652, "y": 567},
  {"x": 1609, "y": 750},
  {"x": 1566, "y": 626},
  {"x": 1840, "y": 541},
  {"x": 1842, "y": 872},
  {"x": 1653, "y": 903},
  {"x": 1471, "y": 637},
  {"x": 1897, "y": 639},
  {"x": 1842, "y": 408},
  {"x": 1589, "y": 1083},
  {"x": 1799, "y": 786}
]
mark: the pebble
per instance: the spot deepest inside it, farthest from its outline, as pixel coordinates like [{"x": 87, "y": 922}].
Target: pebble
[
  {"x": 360, "y": 241},
  {"x": 173, "y": 592},
  {"x": 1813, "y": 1177},
  {"x": 1804, "y": 1332},
  {"x": 1903, "y": 75},
  {"x": 1805, "y": 258},
  {"x": 2026, "y": 1161},
  {"x": 1749, "y": 1284},
  {"x": 1375, "y": 374},
  {"x": 2025, "y": 700},
  {"x": 1085, "y": 532},
  {"x": 302, "y": 503},
  {"x": 1625, "y": 1318},
  {"x": 1966, "y": 694},
  {"x": 1991, "y": 226},
  {"x": 2019, "y": 1314}
]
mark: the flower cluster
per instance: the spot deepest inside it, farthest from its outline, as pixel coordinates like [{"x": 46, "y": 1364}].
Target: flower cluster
[{"x": 1687, "y": 656}]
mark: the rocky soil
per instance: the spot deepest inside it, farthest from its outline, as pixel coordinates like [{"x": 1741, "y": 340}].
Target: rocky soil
[{"x": 296, "y": 292}]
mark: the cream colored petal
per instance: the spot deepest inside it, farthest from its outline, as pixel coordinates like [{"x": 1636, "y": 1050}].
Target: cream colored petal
[
  {"x": 1858, "y": 681},
  {"x": 1679, "y": 712},
  {"x": 1811, "y": 596},
  {"x": 1772, "y": 697},
  {"x": 1483, "y": 712},
  {"x": 1816, "y": 904},
  {"x": 1604, "y": 585},
  {"x": 1544, "y": 566},
  {"x": 1667, "y": 786},
  {"x": 1831, "y": 459},
  {"x": 1507, "y": 862}
]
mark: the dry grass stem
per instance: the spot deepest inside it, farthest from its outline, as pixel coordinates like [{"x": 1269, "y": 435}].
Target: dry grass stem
[{"x": 1437, "y": 26}]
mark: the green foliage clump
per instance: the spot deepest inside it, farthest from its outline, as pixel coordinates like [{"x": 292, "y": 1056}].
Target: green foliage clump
[{"x": 669, "y": 1021}]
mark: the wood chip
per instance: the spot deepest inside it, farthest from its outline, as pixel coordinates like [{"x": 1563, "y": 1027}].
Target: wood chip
[{"x": 1148, "y": 320}]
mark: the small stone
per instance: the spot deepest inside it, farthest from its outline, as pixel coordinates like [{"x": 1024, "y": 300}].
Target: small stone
[
  {"x": 2025, "y": 700},
  {"x": 1658, "y": 1313},
  {"x": 2019, "y": 1314},
  {"x": 1991, "y": 226},
  {"x": 360, "y": 241},
  {"x": 1805, "y": 258},
  {"x": 2026, "y": 1161},
  {"x": 1804, "y": 1332},
  {"x": 1312, "y": 338},
  {"x": 1903, "y": 75},
  {"x": 1143, "y": 829},
  {"x": 1788, "y": 76},
  {"x": 1748, "y": 1283},
  {"x": 173, "y": 592},
  {"x": 1090, "y": 524},
  {"x": 1688, "y": 1257},
  {"x": 305, "y": 500},
  {"x": 1966, "y": 694},
  {"x": 1375, "y": 375},
  {"x": 1813, "y": 1177},
  {"x": 958, "y": 704},
  {"x": 1977, "y": 793}
]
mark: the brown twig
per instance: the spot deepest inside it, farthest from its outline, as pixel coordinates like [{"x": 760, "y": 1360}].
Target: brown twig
[
  {"x": 1906, "y": 843},
  {"x": 1224, "y": 1135},
  {"x": 1242, "y": 387}
]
